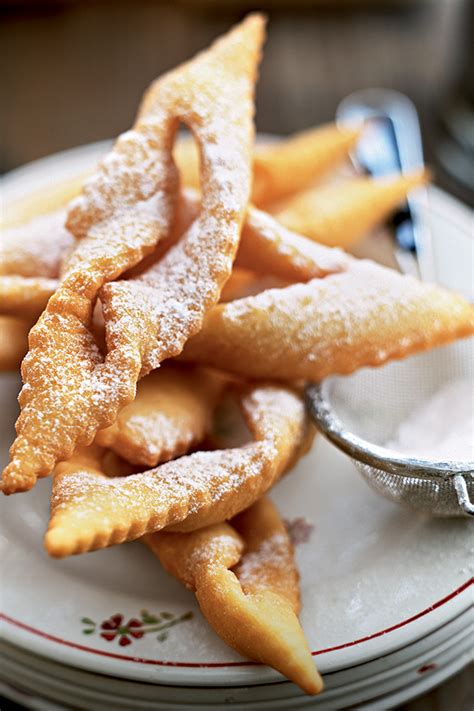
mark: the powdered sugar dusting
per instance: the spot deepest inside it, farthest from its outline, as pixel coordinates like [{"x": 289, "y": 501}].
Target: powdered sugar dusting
[
  {"x": 123, "y": 212},
  {"x": 442, "y": 428},
  {"x": 192, "y": 485},
  {"x": 286, "y": 253},
  {"x": 214, "y": 548},
  {"x": 362, "y": 316},
  {"x": 269, "y": 554},
  {"x": 172, "y": 410},
  {"x": 187, "y": 493}
]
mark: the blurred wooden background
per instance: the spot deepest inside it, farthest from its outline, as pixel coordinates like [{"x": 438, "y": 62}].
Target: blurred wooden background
[{"x": 74, "y": 70}]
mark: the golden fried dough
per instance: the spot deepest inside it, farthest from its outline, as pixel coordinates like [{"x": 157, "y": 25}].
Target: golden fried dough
[
  {"x": 13, "y": 341},
  {"x": 25, "y": 297},
  {"x": 70, "y": 390},
  {"x": 247, "y": 586},
  {"x": 42, "y": 201},
  {"x": 268, "y": 247},
  {"x": 186, "y": 155},
  {"x": 90, "y": 511},
  {"x": 364, "y": 316},
  {"x": 36, "y": 248},
  {"x": 284, "y": 167},
  {"x": 36, "y": 245},
  {"x": 171, "y": 413},
  {"x": 339, "y": 215}
]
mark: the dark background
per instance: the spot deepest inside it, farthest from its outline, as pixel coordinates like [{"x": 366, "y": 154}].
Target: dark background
[{"x": 74, "y": 70}]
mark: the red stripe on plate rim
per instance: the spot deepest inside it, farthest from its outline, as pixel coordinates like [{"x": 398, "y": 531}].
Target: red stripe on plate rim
[{"x": 214, "y": 665}]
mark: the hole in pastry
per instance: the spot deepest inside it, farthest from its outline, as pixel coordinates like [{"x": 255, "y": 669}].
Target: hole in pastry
[
  {"x": 98, "y": 328},
  {"x": 186, "y": 156},
  {"x": 229, "y": 429}
]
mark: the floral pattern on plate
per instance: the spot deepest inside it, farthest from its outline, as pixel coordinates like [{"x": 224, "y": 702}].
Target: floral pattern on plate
[{"x": 116, "y": 629}]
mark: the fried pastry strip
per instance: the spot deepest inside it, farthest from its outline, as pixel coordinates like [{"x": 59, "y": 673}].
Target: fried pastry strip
[
  {"x": 186, "y": 155},
  {"x": 171, "y": 412},
  {"x": 341, "y": 214},
  {"x": 246, "y": 583},
  {"x": 281, "y": 168},
  {"x": 364, "y": 316},
  {"x": 266, "y": 246},
  {"x": 13, "y": 341},
  {"x": 336, "y": 215},
  {"x": 70, "y": 390},
  {"x": 46, "y": 200},
  {"x": 37, "y": 247},
  {"x": 23, "y": 296},
  {"x": 90, "y": 511}
]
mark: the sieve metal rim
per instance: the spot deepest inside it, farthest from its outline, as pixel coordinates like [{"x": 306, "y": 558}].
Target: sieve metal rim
[{"x": 380, "y": 457}]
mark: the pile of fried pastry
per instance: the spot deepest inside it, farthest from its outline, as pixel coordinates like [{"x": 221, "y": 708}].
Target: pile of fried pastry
[{"x": 182, "y": 277}]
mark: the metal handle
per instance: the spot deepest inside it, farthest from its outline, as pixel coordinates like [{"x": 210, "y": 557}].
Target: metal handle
[
  {"x": 391, "y": 143},
  {"x": 463, "y": 495}
]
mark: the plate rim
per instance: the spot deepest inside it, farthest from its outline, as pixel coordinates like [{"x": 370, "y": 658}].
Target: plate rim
[
  {"x": 244, "y": 663},
  {"x": 454, "y": 651},
  {"x": 433, "y": 639}
]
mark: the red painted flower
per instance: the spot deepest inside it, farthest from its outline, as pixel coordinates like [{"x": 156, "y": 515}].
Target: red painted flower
[
  {"x": 114, "y": 627},
  {"x": 134, "y": 628}
]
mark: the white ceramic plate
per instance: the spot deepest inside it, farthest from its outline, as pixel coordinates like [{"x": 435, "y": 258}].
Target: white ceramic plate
[
  {"x": 374, "y": 578},
  {"x": 423, "y": 662}
]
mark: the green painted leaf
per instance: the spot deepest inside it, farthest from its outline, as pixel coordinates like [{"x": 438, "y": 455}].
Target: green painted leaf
[
  {"x": 148, "y": 619},
  {"x": 187, "y": 615},
  {"x": 166, "y": 615},
  {"x": 87, "y": 621},
  {"x": 152, "y": 620},
  {"x": 162, "y": 637},
  {"x": 89, "y": 631}
]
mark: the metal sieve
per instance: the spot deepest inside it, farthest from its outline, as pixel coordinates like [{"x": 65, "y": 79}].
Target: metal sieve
[{"x": 360, "y": 412}]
